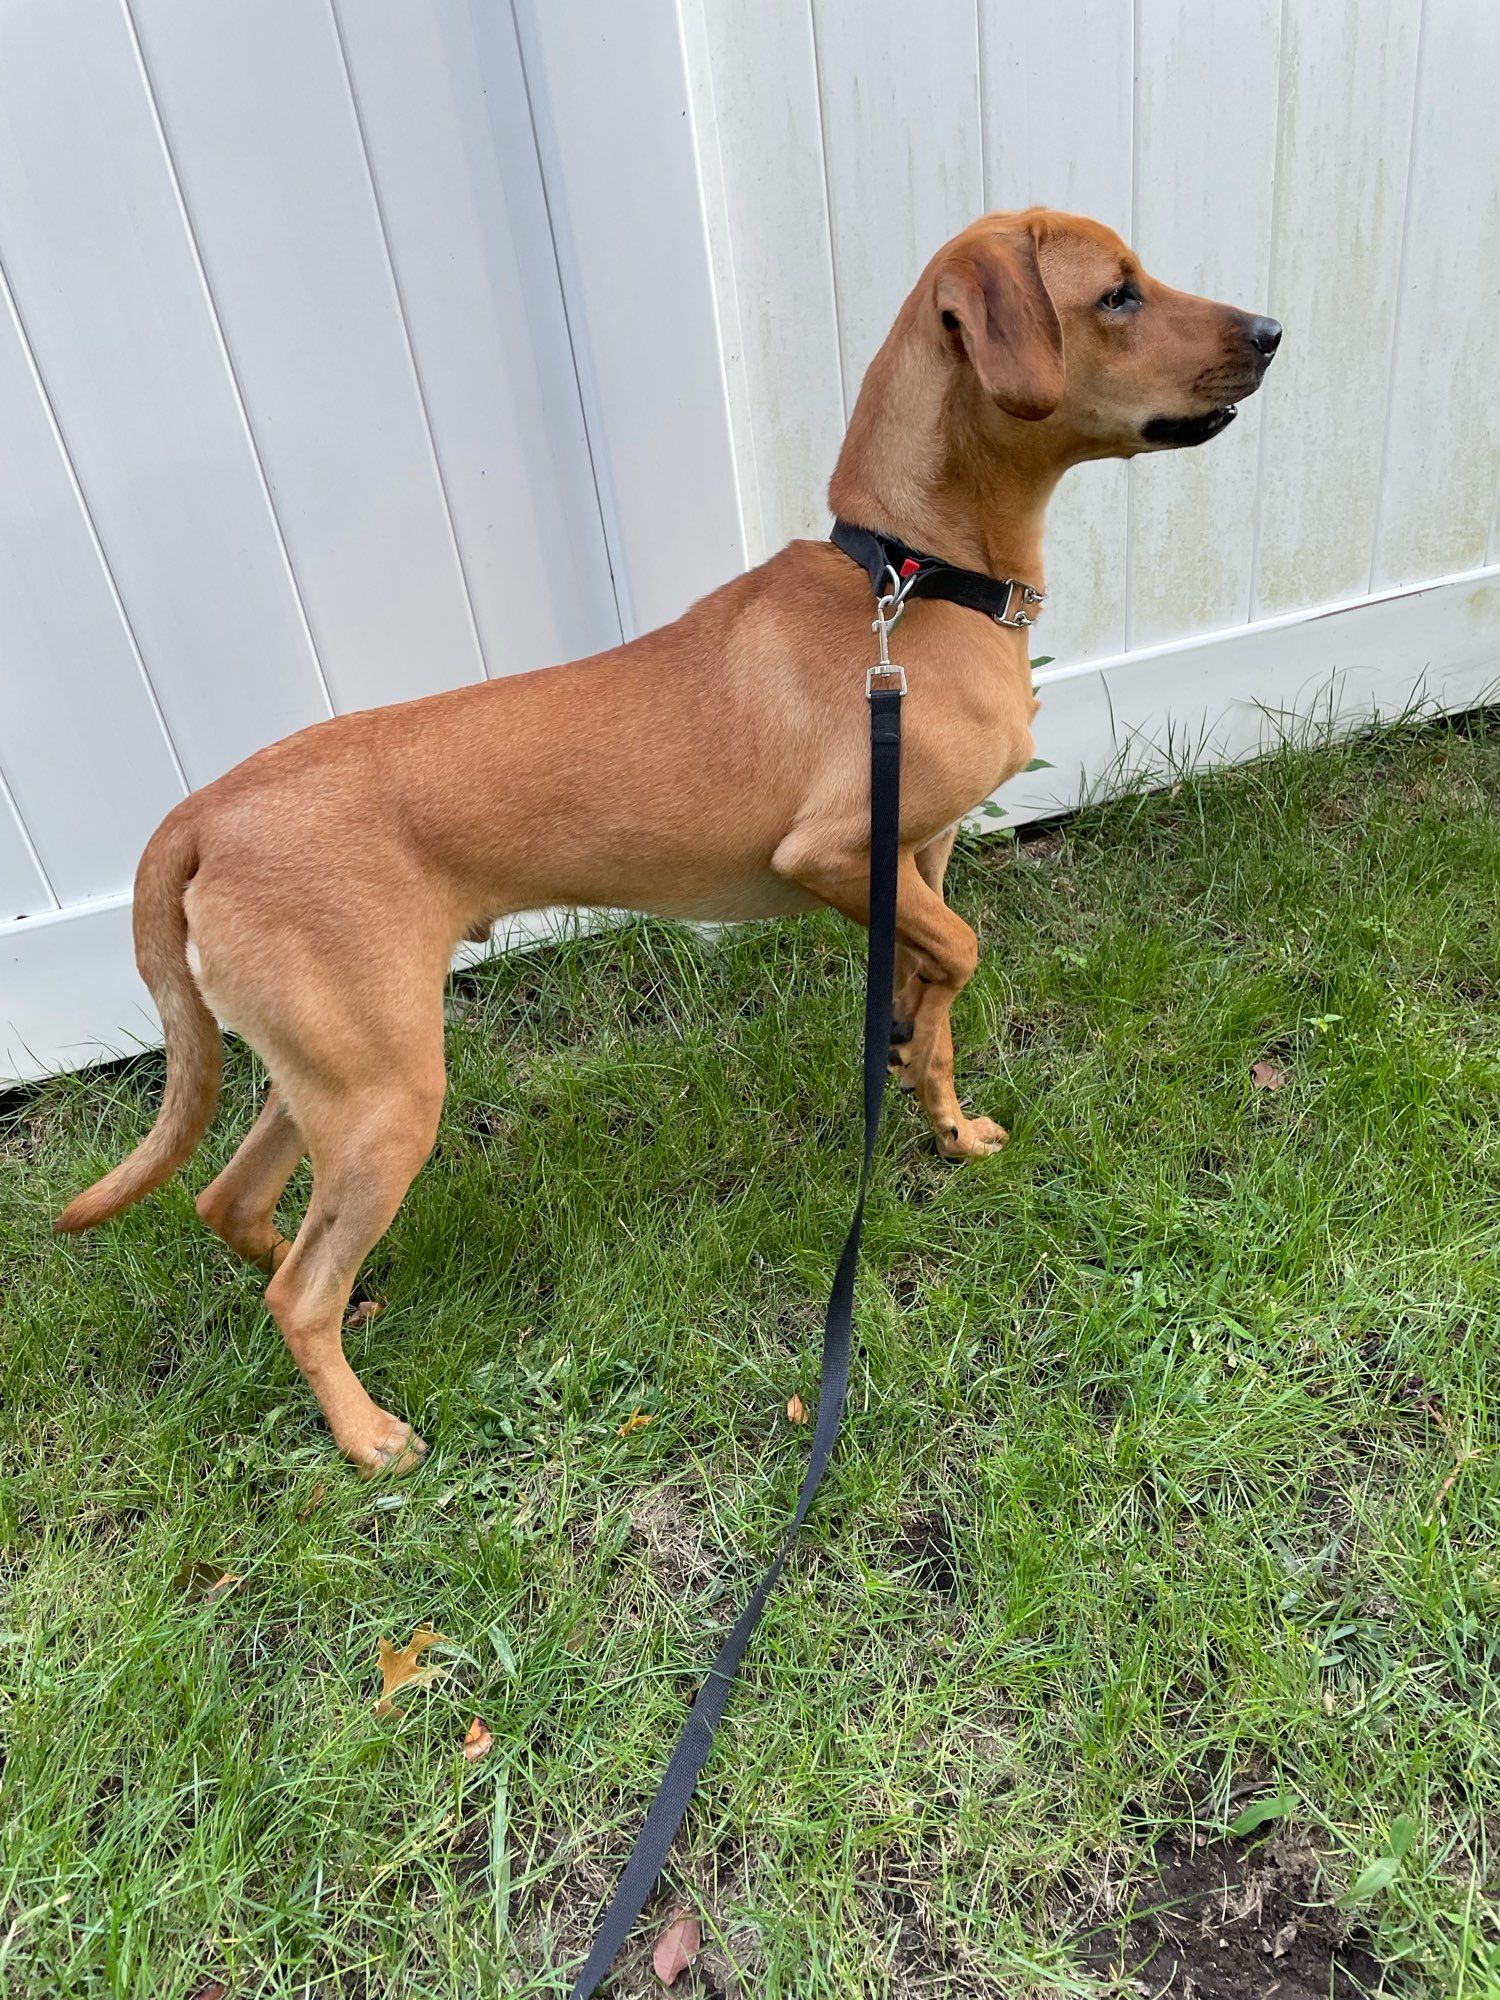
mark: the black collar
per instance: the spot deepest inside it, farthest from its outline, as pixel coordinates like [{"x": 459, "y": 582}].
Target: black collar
[{"x": 919, "y": 575}]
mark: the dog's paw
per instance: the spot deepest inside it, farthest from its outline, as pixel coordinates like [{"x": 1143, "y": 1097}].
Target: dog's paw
[
  {"x": 391, "y": 1456},
  {"x": 971, "y": 1139}
]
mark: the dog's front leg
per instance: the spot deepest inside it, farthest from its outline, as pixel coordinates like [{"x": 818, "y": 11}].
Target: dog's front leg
[
  {"x": 932, "y": 866},
  {"x": 941, "y": 953}
]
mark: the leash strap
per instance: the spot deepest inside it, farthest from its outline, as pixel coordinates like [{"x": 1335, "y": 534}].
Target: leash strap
[{"x": 654, "y": 1841}]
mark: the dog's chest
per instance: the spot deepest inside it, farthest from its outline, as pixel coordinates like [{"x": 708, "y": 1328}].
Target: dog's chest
[{"x": 965, "y": 742}]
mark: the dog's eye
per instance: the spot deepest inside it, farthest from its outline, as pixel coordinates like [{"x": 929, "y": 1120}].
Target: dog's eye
[{"x": 1120, "y": 298}]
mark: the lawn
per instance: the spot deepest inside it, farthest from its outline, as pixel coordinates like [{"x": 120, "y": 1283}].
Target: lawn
[{"x": 1169, "y": 1489}]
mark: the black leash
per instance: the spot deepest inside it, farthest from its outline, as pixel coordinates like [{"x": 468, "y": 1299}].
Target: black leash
[{"x": 885, "y": 685}]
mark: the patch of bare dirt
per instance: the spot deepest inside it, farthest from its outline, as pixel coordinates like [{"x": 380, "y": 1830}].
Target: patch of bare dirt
[
  {"x": 1043, "y": 841},
  {"x": 925, "y": 1553},
  {"x": 1233, "y": 1922}
]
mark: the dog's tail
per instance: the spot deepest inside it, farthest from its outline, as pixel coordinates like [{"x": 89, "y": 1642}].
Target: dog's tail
[{"x": 194, "y": 1047}]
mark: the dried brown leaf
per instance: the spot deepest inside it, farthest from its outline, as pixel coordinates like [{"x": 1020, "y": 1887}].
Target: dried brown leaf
[
  {"x": 401, "y": 1667},
  {"x": 676, "y": 1948},
  {"x": 796, "y": 1410},
  {"x": 203, "y": 1582},
  {"x": 478, "y": 1742}
]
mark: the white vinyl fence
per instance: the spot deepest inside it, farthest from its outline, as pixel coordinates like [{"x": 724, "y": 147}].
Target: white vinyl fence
[{"x": 352, "y": 349}]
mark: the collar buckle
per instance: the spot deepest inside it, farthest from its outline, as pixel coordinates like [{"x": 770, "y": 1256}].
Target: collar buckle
[{"x": 1019, "y": 620}]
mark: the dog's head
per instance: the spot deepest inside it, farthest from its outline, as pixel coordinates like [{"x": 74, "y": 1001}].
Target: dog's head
[{"x": 1055, "y": 323}]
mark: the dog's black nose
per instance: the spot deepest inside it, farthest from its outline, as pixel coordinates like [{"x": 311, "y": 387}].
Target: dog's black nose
[{"x": 1265, "y": 336}]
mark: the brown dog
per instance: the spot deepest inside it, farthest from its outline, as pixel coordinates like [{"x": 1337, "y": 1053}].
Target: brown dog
[{"x": 312, "y": 897}]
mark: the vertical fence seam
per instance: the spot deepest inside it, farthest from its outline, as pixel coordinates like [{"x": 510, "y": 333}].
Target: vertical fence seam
[
  {"x": 1258, "y": 510},
  {"x": 49, "y": 410},
  {"x": 609, "y": 527},
  {"x": 410, "y": 344},
  {"x": 833, "y": 262},
  {"x": 216, "y": 321},
  {"x": 1396, "y": 314}
]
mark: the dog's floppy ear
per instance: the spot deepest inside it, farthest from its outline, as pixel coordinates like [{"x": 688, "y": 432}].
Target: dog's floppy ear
[{"x": 992, "y": 292}]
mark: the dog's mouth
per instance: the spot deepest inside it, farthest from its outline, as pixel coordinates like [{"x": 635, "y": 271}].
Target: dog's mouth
[{"x": 1189, "y": 430}]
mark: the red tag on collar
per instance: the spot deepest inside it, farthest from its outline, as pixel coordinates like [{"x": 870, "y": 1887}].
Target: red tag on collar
[{"x": 909, "y": 568}]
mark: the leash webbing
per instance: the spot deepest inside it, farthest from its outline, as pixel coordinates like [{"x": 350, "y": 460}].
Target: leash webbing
[{"x": 654, "y": 1841}]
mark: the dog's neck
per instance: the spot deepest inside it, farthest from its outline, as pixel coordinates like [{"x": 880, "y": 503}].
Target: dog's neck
[{"x": 929, "y": 460}]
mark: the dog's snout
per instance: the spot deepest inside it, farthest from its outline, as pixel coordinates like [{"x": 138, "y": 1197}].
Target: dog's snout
[{"x": 1264, "y": 336}]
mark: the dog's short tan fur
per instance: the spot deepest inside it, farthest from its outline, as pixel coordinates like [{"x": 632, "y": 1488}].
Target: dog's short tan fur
[{"x": 312, "y": 897}]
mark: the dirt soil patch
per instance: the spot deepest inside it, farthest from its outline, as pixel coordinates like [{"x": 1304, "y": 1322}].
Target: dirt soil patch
[{"x": 1235, "y": 1921}]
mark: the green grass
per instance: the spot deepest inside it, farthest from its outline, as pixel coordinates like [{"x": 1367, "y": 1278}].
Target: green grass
[{"x": 1139, "y": 1512}]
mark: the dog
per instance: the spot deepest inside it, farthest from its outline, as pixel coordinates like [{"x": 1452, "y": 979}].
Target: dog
[{"x": 312, "y": 898}]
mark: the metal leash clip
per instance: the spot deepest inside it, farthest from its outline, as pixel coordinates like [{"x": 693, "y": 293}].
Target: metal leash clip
[{"x": 888, "y": 610}]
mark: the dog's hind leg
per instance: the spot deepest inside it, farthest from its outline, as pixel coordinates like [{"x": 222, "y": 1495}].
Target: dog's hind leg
[
  {"x": 347, "y": 1015},
  {"x": 367, "y": 1145},
  {"x": 240, "y": 1205}
]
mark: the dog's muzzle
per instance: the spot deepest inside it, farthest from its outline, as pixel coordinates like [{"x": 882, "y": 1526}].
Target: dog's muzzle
[{"x": 1262, "y": 337}]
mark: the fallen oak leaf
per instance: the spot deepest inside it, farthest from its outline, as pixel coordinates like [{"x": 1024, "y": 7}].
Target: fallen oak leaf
[
  {"x": 636, "y": 1421},
  {"x": 796, "y": 1410},
  {"x": 401, "y": 1667},
  {"x": 1266, "y": 1076},
  {"x": 478, "y": 1742},
  {"x": 676, "y": 1948}
]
